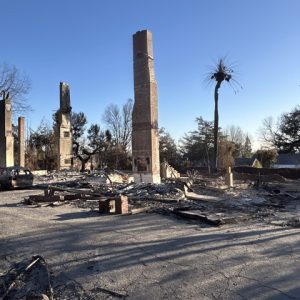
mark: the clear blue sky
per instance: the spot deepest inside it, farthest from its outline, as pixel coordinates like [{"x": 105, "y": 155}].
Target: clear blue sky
[{"x": 88, "y": 44}]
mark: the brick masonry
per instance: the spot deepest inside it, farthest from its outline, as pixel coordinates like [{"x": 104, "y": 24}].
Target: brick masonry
[
  {"x": 118, "y": 205},
  {"x": 21, "y": 135},
  {"x": 65, "y": 151},
  {"x": 122, "y": 205},
  {"x": 6, "y": 136},
  {"x": 145, "y": 143}
]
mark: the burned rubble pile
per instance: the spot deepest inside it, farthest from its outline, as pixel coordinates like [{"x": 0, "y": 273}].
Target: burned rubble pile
[
  {"x": 32, "y": 279},
  {"x": 207, "y": 200},
  {"x": 87, "y": 191},
  {"x": 275, "y": 203},
  {"x": 27, "y": 280},
  {"x": 58, "y": 176}
]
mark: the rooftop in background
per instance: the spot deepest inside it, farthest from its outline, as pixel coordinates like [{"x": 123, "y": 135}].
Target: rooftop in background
[
  {"x": 241, "y": 161},
  {"x": 288, "y": 159}
]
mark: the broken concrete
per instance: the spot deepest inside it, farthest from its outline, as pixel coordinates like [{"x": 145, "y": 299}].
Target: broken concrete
[
  {"x": 167, "y": 171},
  {"x": 145, "y": 145}
]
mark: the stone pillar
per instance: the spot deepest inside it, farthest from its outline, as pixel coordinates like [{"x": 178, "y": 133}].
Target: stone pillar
[
  {"x": 6, "y": 136},
  {"x": 145, "y": 143},
  {"x": 64, "y": 133},
  {"x": 229, "y": 177},
  {"x": 21, "y": 135}
]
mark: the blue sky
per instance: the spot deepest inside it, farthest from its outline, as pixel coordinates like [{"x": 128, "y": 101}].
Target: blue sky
[{"x": 88, "y": 44}]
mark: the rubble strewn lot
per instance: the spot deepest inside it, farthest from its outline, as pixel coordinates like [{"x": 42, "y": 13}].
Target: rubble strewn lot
[{"x": 177, "y": 241}]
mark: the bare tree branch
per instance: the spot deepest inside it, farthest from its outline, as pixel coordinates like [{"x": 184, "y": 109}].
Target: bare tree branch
[
  {"x": 17, "y": 84},
  {"x": 119, "y": 123}
]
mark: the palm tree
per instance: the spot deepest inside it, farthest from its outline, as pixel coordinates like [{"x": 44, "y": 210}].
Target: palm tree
[{"x": 221, "y": 72}]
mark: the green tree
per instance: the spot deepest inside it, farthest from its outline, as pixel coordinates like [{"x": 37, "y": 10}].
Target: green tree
[
  {"x": 198, "y": 145},
  {"x": 16, "y": 144},
  {"x": 285, "y": 134},
  {"x": 78, "y": 123},
  {"x": 247, "y": 149},
  {"x": 95, "y": 142},
  {"x": 167, "y": 148}
]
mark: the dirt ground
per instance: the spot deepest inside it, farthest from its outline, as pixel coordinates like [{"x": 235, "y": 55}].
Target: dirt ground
[{"x": 150, "y": 255}]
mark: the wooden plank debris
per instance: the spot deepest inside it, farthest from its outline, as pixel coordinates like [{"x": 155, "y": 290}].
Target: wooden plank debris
[
  {"x": 140, "y": 210},
  {"x": 215, "y": 219},
  {"x": 198, "y": 215}
]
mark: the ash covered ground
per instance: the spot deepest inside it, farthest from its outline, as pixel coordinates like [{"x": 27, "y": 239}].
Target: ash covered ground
[{"x": 185, "y": 239}]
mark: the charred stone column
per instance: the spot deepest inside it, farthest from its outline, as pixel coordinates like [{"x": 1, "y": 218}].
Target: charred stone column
[
  {"x": 21, "y": 135},
  {"x": 65, "y": 151},
  {"x": 145, "y": 147},
  {"x": 6, "y": 136}
]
